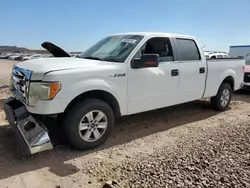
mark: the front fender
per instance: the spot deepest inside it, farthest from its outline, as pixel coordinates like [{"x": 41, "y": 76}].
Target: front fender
[
  {"x": 94, "y": 84},
  {"x": 70, "y": 92}
]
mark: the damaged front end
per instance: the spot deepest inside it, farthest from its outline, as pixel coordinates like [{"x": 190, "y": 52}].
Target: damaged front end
[
  {"x": 31, "y": 135},
  {"x": 30, "y": 132}
]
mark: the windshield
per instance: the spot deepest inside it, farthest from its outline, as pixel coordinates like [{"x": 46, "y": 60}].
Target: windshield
[{"x": 113, "y": 48}]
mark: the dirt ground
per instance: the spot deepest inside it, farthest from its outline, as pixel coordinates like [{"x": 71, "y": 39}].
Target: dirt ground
[
  {"x": 5, "y": 69},
  {"x": 188, "y": 145}
]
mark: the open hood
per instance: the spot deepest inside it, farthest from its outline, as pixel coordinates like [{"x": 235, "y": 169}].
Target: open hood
[{"x": 54, "y": 50}]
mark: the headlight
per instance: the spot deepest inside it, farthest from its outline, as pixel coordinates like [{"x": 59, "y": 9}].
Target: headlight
[{"x": 42, "y": 91}]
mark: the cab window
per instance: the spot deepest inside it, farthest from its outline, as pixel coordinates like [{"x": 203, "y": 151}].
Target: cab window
[
  {"x": 157, "y": 45},
  {"x": 188, "y": 50}
]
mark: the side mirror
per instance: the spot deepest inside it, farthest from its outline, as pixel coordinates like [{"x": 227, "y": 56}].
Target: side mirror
[{"x": 146, "y": 60}]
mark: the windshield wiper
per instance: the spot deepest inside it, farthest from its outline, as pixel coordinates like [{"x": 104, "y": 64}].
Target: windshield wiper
[
  {"x": 93, "y": 57},
  {"x": 97, "y": 58},
  {"x": 112, "y": 60}
]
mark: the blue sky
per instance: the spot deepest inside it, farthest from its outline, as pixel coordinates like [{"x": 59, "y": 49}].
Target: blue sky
[{"x": 75, "y": 25}]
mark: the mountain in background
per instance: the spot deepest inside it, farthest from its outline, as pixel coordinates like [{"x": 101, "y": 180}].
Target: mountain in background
[{"x": 15, "y": 49}]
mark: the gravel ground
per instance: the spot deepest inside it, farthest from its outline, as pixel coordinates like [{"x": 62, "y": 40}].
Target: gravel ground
[
  {"x": 210, "y": 153},
  {"x": 214, "y": 158},
  {"x": 189, "y": 145}
]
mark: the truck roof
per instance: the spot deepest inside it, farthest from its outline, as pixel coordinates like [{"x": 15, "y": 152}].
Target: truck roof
[{"x": 146, "y": 34}]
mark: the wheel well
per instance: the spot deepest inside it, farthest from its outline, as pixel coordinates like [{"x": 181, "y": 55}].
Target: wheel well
[
  {"x": 229, "y": 80},
  {"x": 98, "y": 94}
]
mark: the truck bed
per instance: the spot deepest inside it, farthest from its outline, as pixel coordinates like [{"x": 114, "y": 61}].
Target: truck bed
[{"x": 218, "y": 68}]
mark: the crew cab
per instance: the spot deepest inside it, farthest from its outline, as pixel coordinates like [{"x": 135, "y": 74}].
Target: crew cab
[{"x": 120, "y": 75}]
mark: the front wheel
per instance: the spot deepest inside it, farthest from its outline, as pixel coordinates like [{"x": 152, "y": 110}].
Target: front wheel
[
  {"x": 89, "y": 123},
  {"x": 222, "y": 100}
]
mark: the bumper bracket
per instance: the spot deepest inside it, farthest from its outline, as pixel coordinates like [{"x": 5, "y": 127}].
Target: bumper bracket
[{"x": 31, "y": 135}]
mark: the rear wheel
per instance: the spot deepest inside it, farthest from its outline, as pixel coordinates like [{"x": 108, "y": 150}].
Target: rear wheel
[
  {"x": 89, "y": 123},
  {"x": 222, "y": 100}
]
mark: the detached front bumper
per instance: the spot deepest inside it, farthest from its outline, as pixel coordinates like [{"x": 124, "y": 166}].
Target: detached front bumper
[{"x": 31, "y": 135}]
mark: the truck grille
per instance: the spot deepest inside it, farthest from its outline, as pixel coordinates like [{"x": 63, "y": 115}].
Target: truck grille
[{"x": 20, "y": 82}]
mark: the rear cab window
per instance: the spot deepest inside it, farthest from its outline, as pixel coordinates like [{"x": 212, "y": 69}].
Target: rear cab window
[{"x": 187, "y": 50}]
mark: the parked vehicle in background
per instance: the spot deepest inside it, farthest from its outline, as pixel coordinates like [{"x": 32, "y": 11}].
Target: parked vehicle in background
[
  {"x": 217, "y": 55},
  {"x": 48, "y": 55},
  {"x": 13, "y": 56},
  {"x": 18, "y": 58},
  {"x": 26, "y": 57},
  {"x": 247, "y": 72},
  {"x": 74, "y": 55},
  {"x": 7, "y": 56},
  {"x": 120, "y": 75},
  {"x": 35, "y": 56},
  {"x": 2, "y": 56}
]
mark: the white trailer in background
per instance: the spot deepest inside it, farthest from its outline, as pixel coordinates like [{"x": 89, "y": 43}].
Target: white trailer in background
[{"x": 239, "y": 50}]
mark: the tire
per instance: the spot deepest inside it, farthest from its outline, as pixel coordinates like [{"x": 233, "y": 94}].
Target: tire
[
  {"x": 81, "y": 112},
  {"x": 217, "y": 102}
]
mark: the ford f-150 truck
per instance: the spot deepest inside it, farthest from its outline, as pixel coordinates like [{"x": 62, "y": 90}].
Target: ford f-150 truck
[{"x": 120, "y": 75}]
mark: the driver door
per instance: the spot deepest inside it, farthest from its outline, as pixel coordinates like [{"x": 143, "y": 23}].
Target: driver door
[{"x": 153, "y": 87}]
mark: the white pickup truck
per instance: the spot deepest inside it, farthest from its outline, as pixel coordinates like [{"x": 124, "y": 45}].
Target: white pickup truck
[{"x": 120, "y": 75}]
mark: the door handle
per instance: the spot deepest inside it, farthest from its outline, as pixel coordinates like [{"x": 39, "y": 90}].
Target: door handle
[
  {"x": 174, "y": 72},
  {"x": 202, "y": 70}
]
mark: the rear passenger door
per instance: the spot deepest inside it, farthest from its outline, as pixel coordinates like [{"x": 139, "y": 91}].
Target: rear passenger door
[{"x": 192, "y": 70}]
